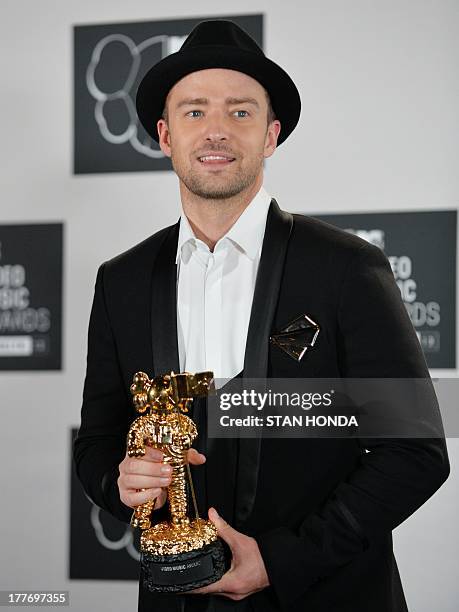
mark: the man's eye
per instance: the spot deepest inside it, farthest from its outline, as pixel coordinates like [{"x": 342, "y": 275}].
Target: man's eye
[
  {"x": 195, "y": 113},
  {"x": 241, "y": 111}
]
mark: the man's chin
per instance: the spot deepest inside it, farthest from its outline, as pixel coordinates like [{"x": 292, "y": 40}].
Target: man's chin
[
  {"x": 216, "y": 192},
  {"x": 217, "y": 195}
]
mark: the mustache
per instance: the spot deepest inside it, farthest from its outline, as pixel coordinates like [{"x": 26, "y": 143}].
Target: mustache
[{"x": 215, "y": 149}]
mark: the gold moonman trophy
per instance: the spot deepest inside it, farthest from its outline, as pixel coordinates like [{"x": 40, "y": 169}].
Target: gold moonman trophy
[{"x": 179, "y": 554}]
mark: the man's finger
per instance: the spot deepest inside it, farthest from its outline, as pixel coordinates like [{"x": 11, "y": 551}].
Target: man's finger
[
  {"x": 137, "y": 481},
  {"x": 216, "y": 587},
  {"x": 135, "y": 498},
  {"x": 152, "y": 454},
  {"x": 225, "y": 587},
  {"x": 227, "y": 594},
  {"x": 235, "y": 596},
  {"x": 195, "y": 458},
  {"x": 225, "y": 531}
]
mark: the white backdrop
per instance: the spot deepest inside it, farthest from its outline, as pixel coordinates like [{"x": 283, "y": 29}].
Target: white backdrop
[{"x": 379, "y": 131}]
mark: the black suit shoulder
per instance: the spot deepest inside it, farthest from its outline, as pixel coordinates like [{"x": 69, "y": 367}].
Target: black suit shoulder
[
  {"x": 124, "y": 281},
  {"x": 326, "y": 255},
  {"x": 322, "y": 237},
  {"x": 137, "y": 255}
]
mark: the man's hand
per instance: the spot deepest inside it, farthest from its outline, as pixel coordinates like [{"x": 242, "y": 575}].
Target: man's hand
[
  {"x": 149, "y": 473},
  {"x": 247, "y": 573}
]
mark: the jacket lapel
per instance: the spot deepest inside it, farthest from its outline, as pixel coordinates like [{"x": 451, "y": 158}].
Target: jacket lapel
[
  {"x": 277, "y": 233},
  {"x": 164, "y": 306}
]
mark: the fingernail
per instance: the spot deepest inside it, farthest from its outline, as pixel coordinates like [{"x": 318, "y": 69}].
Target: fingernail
[
  {"x": 164, "y": 481},
  {"x": 166, "y": 469}
]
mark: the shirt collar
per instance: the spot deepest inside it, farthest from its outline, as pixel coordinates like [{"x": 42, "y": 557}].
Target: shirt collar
[
  {"x": 247, "y": 233},
  {"x": 185, "y": 236}
]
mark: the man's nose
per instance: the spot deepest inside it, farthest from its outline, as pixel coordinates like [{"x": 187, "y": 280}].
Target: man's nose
[
  {"x": 216, "y": 129},
  {"x": 216, "y": 136}
]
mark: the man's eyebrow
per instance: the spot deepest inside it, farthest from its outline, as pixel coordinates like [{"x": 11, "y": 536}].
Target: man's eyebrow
[
  {"x": 233, "y": 101},
  {"x": 205, "y": 101},
  {"x": 192, "y": 101}
]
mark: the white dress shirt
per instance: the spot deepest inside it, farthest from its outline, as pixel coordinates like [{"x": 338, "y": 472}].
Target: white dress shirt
[{"x": 215, "y": 292}]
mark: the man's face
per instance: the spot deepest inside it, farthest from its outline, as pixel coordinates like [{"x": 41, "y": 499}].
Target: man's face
[{"x": 216, "y": 132}]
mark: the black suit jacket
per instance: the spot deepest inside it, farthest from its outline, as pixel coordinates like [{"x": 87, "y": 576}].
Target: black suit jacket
[{"x": 321, "y": 510}]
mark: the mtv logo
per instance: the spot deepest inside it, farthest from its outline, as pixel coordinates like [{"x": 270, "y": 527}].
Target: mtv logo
[{"x": 374, "y": 236}]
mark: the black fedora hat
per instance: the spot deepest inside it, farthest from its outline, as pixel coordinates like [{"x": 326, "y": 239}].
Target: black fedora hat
[{"x": 218, "y": 44}]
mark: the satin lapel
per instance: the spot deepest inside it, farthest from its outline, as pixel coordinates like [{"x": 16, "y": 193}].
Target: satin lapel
[
  {"x": 269, "y": 277},
  {"x": 164, "y": 306},
  {"x": 278, "y": 228}
]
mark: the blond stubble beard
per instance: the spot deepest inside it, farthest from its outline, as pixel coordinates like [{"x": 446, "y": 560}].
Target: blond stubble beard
[{"x": 216, "y": 188}]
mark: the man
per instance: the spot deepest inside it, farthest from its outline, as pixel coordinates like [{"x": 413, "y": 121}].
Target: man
[{"x": 309, "y": 521}]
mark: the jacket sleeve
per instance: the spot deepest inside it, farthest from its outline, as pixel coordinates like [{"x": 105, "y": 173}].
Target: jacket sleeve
[
  {"x": 395, "y": 476},
  {"x": 106, "y": 414}
]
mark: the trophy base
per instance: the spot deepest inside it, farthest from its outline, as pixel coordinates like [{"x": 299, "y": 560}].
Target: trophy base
[{"x": 184, "y": 571}]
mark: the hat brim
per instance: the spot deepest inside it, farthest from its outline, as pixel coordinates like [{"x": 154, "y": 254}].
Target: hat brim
[{"x": 157, "y": 82}]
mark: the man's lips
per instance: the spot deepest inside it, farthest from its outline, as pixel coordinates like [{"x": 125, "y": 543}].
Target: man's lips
[{"x": 215, "y": 160}]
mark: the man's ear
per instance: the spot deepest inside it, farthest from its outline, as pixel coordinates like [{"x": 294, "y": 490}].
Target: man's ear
[
  {"x": 164, "y": 137},
  {"x": 272, "y": 134}
]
